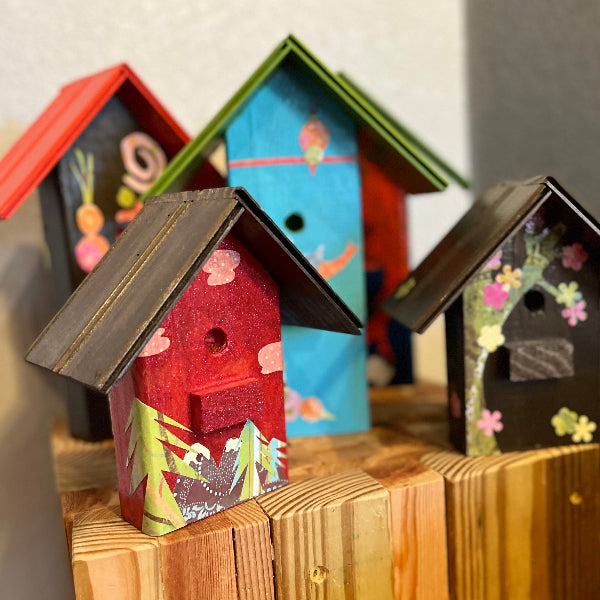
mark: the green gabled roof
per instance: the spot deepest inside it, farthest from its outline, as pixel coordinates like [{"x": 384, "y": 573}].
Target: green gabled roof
[
  {"x": 417, "y": 144},
  {"x": 386, "y": 143}
]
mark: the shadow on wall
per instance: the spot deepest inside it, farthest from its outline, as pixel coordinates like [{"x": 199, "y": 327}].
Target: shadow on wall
[
  {"x": 534, "y": 84},
  {"x": 33, "y": 554}
]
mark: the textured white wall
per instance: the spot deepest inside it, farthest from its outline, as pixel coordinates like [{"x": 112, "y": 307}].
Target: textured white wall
[{"x": 194, "y": 55}]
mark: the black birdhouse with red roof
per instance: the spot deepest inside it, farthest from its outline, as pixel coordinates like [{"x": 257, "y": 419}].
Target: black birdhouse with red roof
[{"x": 96, "y": 148}]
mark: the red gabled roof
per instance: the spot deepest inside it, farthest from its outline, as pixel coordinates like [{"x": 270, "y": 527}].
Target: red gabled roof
[{"x": 40, "y": 148}]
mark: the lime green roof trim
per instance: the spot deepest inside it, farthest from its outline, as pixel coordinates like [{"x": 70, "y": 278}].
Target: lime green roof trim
[
  {"x": 199, "y": 149},
  {"x": 417, "y": 144}
]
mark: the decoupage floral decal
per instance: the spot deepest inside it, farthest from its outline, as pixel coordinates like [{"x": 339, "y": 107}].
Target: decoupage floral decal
[
  {"x": 488, "y": 301},
  {"x": 575, "y": 314},
  {"x": 494, "y": 262},
  {"x": 568, "y": 294},
  {"x": 490, "y": 422},
  {"x": 310, "y": 409},
  {"x": 495, "y": 295},
  {"x": 568, "y": 422},
  {"x": 509, "y": 278},
  {"x": 455, "y": 407},
  {"x": 571, "y": 297},
  {"x": 270, "y": 358},
  {"x": 221, "y": 266},
  {"x": 156, "y": 344},
  {"x": 491, "y": 337},
  {"x": 574, "y": 256}
]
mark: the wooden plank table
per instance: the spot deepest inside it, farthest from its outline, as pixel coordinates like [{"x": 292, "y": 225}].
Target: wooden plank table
[{"x": 392, "y": 513}]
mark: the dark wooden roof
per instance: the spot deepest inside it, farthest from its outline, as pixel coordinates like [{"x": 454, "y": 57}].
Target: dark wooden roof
[
  {"x": 441, "y": 277},
  {"x": 114, "y": 312}
]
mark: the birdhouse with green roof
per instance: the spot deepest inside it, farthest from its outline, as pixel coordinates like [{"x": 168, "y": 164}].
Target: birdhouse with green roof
[{"x": 331, "y": 170}]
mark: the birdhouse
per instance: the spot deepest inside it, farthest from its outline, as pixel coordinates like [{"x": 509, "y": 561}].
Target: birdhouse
[
  {"x": 180, "y": 323},
  {"x": 97, "y": 147},
  {"x": 313, "y": 149},
  {"x": 519, "y": 281}
]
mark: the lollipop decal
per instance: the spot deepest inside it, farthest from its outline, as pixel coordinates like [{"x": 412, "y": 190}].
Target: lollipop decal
[
  {"x": 313, "y": 139},
  {"x": 144, "y": 160}
]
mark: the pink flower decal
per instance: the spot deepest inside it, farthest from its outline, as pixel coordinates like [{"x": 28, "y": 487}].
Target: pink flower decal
[
  {"x": 494, "y": 295},
  {"x": 221, "y": 266},
  {"x": 575, "y": 313},
  {"x": 574, "y": 256},
  {"x": 455, "y": 408},
  {"x": 270, "y": 358},
  {"x": 494, "y": 262},
  {"x": 490, "y": 422},
  {"x": 292, "y": 403},
  {"x": 156, "y": 344}
]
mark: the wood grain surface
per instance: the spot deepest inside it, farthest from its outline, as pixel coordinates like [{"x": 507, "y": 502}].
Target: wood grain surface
[
  {"x": 331, "y": 538},
  {"x": 523, "y": 525},
  {"x": 518, "y": 525},
  {"x": 81, "y": 465},
  {"x": 111, "y": 559}
]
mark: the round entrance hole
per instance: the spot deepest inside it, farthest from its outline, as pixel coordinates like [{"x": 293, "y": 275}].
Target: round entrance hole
[
  {"x": 534, "y": 301},
  {"x": 215, "y": 340},
  {"x": 295, "y": 222}
]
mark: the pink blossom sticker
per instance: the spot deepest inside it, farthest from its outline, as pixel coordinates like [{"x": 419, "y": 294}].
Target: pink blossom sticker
[
  {"x": 495, "y": 295},
  {"x": 490, "y": 422},
  {"x": 494, "y": 262},
  {"x": 270, "y": 358},
  {"x": 574, "y": 256},
  {"x": 156, "y": 344},
  {"x": 221, "y": 266},
  {"x": 576, "y": 313},
  {"x": 455, "y": 408},
  {"x": 292, "y": 403}
]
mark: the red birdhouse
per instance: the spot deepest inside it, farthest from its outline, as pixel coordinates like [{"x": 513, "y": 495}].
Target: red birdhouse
[{"x": 181, "y": 324}]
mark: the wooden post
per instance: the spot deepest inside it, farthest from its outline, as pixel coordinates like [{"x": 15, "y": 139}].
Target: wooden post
[
  {"x": 111, "y": 559},
  {"x": 226, "y": 556},
  {"x": 523, "y": 525},
  {"x": 520, "y": 525},
  {"x": 331, "y": 538},
  {"x": 81, "y": 465},
  {"x": 416, "y": 496}
]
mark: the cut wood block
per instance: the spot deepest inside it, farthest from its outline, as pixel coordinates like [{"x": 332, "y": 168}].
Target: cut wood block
[
  {"x": 331, "y": 538},
  {"x": 416, "y": 495},
  {"x": 81, "y": 465},
  {"x": 252, "y": 549},
  {"x": 198, "y": 561},
  {"x": 111, "y": 559},
  {"x": 88, "y": 506},
  {"x": 523, "y": 525},
  {"x": 418, "y": 527},
  {"x": 224, "y": 556},
  {"x": 419, "y": 410}
]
